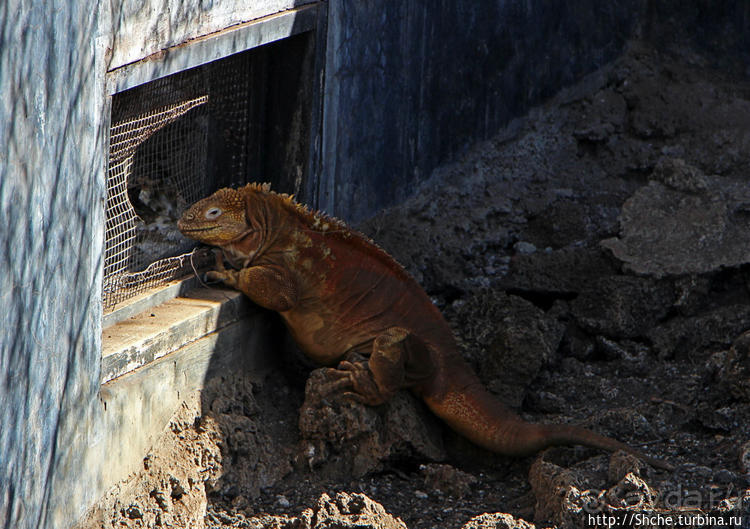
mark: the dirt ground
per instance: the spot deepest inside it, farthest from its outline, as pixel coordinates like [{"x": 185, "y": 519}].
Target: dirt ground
[{"x": 592, "y": 259}]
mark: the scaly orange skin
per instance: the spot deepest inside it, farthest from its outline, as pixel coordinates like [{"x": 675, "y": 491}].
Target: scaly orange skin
[{"x": 339, "y": 294}]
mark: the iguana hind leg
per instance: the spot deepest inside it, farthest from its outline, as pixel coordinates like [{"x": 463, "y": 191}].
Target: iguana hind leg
[{"x": 388, "y": 369}]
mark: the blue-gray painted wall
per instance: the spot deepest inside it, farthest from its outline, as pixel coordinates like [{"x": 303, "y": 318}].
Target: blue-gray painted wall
[{"x": 51, "y": 216}]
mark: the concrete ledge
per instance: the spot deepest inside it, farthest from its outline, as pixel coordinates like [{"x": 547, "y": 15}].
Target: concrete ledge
[
  {"x": 150, "y": 298},
  {"x": 161, "y": 329}
]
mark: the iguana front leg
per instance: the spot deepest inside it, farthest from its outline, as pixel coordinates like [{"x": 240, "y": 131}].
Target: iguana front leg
[
  {"x": 392, "y": 365},
  {"x": 271, "y": 287}
]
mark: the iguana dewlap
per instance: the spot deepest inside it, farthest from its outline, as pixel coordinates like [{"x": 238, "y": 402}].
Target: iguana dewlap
[{"x": 339, "y": 293}]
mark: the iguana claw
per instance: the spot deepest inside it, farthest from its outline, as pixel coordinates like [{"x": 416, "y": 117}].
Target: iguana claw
[
  {"x": 337, "y": 380},
  {"x": 228, "y": 277}
]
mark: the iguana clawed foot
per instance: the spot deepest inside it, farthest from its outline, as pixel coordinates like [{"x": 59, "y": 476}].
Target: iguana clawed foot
[
  {"x": 228, "y": 277},
  {"x": 358, "y": 377},
  {"x": 376, "y": 379}
]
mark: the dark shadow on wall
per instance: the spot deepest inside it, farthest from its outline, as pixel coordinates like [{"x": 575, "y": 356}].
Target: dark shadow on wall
[{"x": 410, "y": 85}]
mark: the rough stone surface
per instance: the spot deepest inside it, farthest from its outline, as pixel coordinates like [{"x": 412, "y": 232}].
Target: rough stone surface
[
  {"x": 447, "y": 479},
  {"x": 734, "y": 368},
  {"x": 621, "y": 306},
  {"x": 343, "y": 432},
  {"x": 510, "y": 342},
  {"x": 224, "y": 445},
  {"x": 560, "y": 495},
  {"x": 254, "y": 438},
  {"x": 633, "y": 493},
  {"x": 666, "y": 231},
  {"x": 744, "y": 458},
  {"x": 622, "y": 464},
  {"x": 713, "y": 329},
  {"x": 342, "y": 511},
  {"x": 497, "y": 521},
  {"x": 172, "y": 488},
  {"x": 558, "y": 273},
  {"x": 678, "y": 174}
]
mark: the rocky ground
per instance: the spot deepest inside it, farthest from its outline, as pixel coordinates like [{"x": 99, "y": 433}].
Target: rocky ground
[{"x": 592, "y": 260}]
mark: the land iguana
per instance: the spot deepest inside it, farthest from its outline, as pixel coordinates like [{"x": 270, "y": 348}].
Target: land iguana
[{"x": 340, "y": 294}]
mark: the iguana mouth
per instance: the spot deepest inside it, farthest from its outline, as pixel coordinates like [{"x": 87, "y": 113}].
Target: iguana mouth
[{"x": 190, "y": 230}]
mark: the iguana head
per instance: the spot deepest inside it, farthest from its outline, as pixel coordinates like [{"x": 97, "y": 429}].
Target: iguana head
[{"x": 218, "y": 219}]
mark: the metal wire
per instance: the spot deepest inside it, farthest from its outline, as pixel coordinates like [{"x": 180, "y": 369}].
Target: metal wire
[{"x": 158, "y": 165}]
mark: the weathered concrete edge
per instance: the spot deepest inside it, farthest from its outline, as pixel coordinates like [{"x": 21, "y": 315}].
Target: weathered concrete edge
[
  {"x": 155, "y": 343},
  {"x": 136, "y": 407},
  {"x": 214, "y": 46},
  {"x": 145, "y": 301}
]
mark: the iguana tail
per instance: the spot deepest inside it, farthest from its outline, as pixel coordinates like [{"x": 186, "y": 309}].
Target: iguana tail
[{"x": 477, "y": 415}]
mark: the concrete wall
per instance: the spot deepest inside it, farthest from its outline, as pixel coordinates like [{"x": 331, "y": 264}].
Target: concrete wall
[{"x": 52, "y": 160}]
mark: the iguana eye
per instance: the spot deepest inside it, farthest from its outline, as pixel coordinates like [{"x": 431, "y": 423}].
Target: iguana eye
[{"x": 213, "y": 213}]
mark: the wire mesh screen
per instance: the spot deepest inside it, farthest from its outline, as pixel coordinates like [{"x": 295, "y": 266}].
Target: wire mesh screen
[{"x": 162, "y": 136}]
